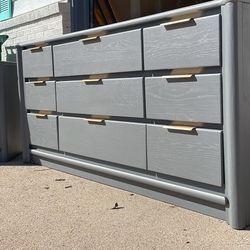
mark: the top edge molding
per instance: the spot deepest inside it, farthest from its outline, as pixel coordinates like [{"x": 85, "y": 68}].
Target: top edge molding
[{"x": 135, "y": 22}]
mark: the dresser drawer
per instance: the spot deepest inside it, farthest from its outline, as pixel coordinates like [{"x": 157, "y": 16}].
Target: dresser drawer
[
  {"x": 195, "y": 155},
  {"x": 193, "y": 43},
  {"x": 184, "y": 98},
  {"x": 117, "y": 142},
  {"x": 112, "y": 97},
  {"x": 37, "y": 62},
  {"x": 119, "y": 52},
  {"x": 43, "y": 130},
  {"x": 40, "y": 95}
]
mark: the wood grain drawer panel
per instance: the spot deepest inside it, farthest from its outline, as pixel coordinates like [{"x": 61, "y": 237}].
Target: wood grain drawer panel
[
  {"x": 38, "y": 62},
  {"x": 119, "y": 52},
  {"x": 113, "y": 141},
  {"x": 112, "y": 97},
  {"x": 195, "y": 155},
  {"x": 186, "y": 45},
  {"x": 196, "y": 99},
  {"x": 40, "y": 96},
  {"x": 43, "y": 131}
]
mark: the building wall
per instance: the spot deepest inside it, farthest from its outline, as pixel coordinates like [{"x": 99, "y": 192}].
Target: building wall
[
  {"x": 24, "y": 6},
  {"x": 42, "y": 23}
]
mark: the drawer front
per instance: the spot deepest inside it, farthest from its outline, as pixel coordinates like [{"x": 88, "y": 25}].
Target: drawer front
[
  {"x": 195, "y": 155},
  {"x": 112, "y": 97},
  {"x": 40, "y": 96},
  {"x": 117, "y": 142},
  {"x": 195, "y": 43},
  {"x": 43, "y": 131},
  {"x": 38, "y": 62},
  {"x": 112, "y": 53},
  {"x": 195, "y": 99}
]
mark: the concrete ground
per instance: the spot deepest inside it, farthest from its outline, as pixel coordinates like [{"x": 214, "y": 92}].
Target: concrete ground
[{"x": 45, "y": 209}]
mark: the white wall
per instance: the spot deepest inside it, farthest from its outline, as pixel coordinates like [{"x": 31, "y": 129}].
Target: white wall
[
  {"x": 43, "y": 23},
  {"x": 23, "y": 6}
]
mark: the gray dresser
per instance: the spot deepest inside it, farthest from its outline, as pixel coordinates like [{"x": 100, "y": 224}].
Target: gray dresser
[
  {"x": 10, "y": 131},
  {"x": 158, "y": 105}
]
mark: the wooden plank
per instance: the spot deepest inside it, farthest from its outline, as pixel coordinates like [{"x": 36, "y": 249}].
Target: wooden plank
[
  {"x": 112, "y": 97},
  {"x": 186, "y": 45},
  {"x": 196, "y": 99},
  {"x": 117, "y": 142},
  {"x": 194, "y": 155},
  {"x": 43, "y": 131},
  {"x": 119, "y": 52},
  {"x": 40, "y": 96},
  {"x": 38, "y": 63}
]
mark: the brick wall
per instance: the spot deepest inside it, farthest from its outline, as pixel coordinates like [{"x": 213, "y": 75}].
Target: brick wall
[
  {"x": 46, "y": 22},
  {"x": 23, "y": 6}
]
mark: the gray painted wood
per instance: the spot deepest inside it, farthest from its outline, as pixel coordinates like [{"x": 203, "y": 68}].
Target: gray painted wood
[
  {"x": 194, "y": 44},
  {"x": 243, "y": 117},
  {"x": 38, "y": 63},
  {"x": 43, "y": 131},
  {"x": 40, "y": 96},
  {"x": 10, "y": 131},
  {"x": 113, "y": 171},
  {"x": 195, "y": 155},
  {"x": 119, "y": 52},
  {"x": 236, "y": 211},
  {"x": 195, "y": 99},
  {"x": 113, "y": 141},
  {"x": 186, "y": 202},
  {"x": 236, "y": 111},
  {"x": 112, "y": 97},
  {"x": 192, "y": 10},
  {"x": 194, "y": 204}
]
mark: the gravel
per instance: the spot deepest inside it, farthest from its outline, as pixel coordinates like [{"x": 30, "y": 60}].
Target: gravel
[{"x": 41, "y": 208}]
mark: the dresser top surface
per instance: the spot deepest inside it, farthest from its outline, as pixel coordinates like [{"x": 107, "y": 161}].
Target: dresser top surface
[{"x": 134, "y": 23}]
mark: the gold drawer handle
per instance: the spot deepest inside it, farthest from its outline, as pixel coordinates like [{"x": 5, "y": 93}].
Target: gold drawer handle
[
  {"x": 92, "y": 120},
  {"x": 91, "y": 81},
  {"x": 180, "y": 128},
  {"x": 89, "y": 39},
  {"x": 39, "y": 82},
  {"x": 177, "y": 22},
  {"x": 36, "y": 49},
  {"x": 41, "y": 115},
  {"x": 177, "y": 76}
]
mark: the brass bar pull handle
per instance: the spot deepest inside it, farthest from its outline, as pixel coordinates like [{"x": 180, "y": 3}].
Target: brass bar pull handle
[
  {"x": 41, "y": 115},
  {"x": 176, "y": 22},
  {"x": 38, "y": 82},
  {"x": 177, "y": 76},
  {"x": 89, "y": 39},
  {"x": 180, "y": 128},
  {"x": 91, "y": 81},
  {"x": 36, "y": 49},
  {"x": 92, "y": 120}
]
